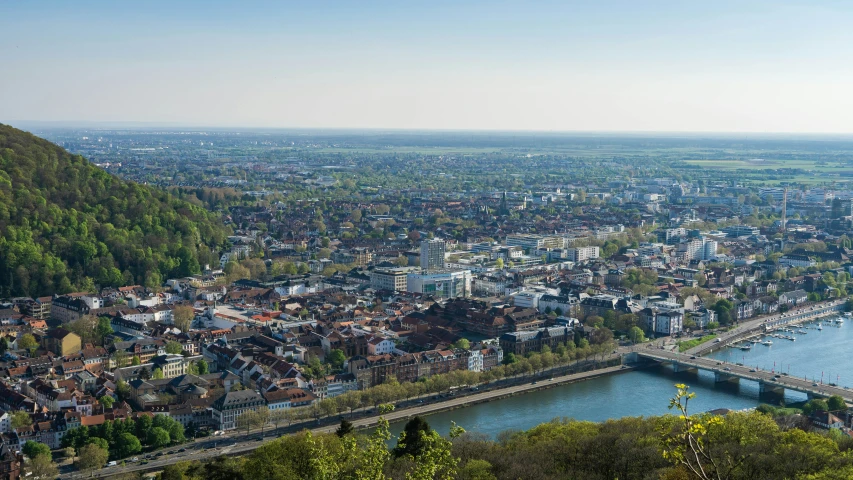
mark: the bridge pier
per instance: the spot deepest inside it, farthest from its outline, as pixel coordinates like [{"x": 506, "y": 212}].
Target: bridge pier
[
  {"x": 724, "y": 377},
  {"x": 679, "y": 368},
  {"x": 812, "y": 395},
  {"x": 770, "y": 388}
]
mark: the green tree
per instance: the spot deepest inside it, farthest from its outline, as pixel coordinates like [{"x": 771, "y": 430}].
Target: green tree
[
  {"x": 143, "y": 426},
  {"x": 158, "y": 374},
  {"x": 122, "y": 390},
  {"x": 509, "y": 359},
  {"x": 127, "y": 445},
  {"x": 815, "y": 405},
  {"x": 411, "y": 441},
  {"x": 636, "y": 335},
  {"x": 176, "y": 432},
  {"x": 41, "y": 467},
  {"x": 103, "y": 329},
  {"x": 477, "y": 469},
  {"x": 836, "y": 403},
  {"x": 345, "y": 428},
  {"x": 174, "y": 348},
  {"x": 202, "y": 367},
  {"x": 120, "y": 358},
  {"x": 136, "y": 361},
  {"x": 182, "y": 317},
  {"x": 33, "y": 449},
  {"x": 28, "y": 342},
  {"x": 462, "y": 343},
  {"x": 98, "y": 441},
  {"x": 336, "y": 358},
  {"x": 20, "y": 419},
  {"x": 91, "y": 457},
  {"x": 158, "y": 438}
]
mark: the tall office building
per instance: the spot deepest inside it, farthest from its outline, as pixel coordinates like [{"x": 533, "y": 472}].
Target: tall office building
[
  {"x": 432, "y": 254},
  {"x": 709, "y": 249}
]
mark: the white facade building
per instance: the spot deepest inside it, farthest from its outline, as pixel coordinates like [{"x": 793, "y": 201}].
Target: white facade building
[
  {"x": 527, "y": 299},
  {"x": 446, "y": 284},
  {"x": 581, "y": 254}
]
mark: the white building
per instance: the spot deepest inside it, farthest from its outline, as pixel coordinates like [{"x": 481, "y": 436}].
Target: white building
[
  {"x": 709, "y": 249},
  {"x": 527, "y": 299},
  {"x": 445, "y": 284},
  {"x": 432, "y": 254},
  {"x": 392, "y": 279},
  {"x": 380, "y": 346},
  {"x": 668, "y": 323},
  {"x": 228, "y": 408},
  {"x": 532, "y": 242},
  {"x": 475, "y": 361},
  {"x": 581, "y": 254}
]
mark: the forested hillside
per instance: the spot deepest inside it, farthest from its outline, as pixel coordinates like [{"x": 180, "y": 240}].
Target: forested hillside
[{"x": 67, "y": 225}]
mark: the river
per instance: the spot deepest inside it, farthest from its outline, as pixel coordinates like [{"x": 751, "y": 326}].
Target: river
[{"x": 647, "y": 392}]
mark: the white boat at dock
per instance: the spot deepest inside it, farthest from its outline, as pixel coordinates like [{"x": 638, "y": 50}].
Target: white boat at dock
[{"x": 767, "y": 342}]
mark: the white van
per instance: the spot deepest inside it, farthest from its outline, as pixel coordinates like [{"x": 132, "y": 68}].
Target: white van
[{"x": 112, "y": 464}]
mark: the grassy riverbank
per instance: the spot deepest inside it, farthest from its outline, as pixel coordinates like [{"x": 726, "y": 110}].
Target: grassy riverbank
[{"x": 688, "y": 344}]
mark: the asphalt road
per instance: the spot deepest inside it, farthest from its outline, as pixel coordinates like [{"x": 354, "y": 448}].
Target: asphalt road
[{"x": 238, "y": 444}]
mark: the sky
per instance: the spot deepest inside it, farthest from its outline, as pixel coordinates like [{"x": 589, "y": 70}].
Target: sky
[{"x": 694, "y": 66}]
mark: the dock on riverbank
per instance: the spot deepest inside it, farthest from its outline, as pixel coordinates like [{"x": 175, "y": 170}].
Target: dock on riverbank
[{"x": 770, "y": 322}]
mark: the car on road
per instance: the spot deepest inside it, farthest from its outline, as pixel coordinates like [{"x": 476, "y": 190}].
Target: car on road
[
  {"x": 134, "y": 459},
  {"x": 727, "y": 369},
  {"x": 182, "y": 450},
  {"x": 814, "y": 384},
  {"x": 692, "y": 357},
  {"x": 112, "y": 464},
  {"x": 751, "y": 370},
  {"x": 170, "y": 452},
  {"x": 776, "y": 376}
]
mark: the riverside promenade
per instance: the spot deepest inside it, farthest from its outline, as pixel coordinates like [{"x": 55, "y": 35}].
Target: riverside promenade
[
  {"x": 240, "y": 443},
  {"x": 768, "y": 322}
]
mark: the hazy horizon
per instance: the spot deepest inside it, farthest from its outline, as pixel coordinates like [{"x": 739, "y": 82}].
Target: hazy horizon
[{"x": 753, "y": 67}]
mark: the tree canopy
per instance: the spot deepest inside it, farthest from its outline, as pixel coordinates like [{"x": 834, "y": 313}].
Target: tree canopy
[{"x": 66, "y": 225}]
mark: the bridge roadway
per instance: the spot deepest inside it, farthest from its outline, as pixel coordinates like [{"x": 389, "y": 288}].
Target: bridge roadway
[
  {"x": 724, "y": 371},
  {"x": 768, "y": 322}
]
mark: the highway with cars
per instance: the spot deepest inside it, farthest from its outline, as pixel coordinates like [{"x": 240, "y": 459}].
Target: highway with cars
[{"x": 768, "y": 380}]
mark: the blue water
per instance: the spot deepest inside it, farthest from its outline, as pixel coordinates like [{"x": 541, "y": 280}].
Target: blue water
[{"x": 647, "y": 392}]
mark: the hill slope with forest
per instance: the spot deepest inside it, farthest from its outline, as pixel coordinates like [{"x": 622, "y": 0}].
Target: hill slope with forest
[{"x": 66, "y": 225}]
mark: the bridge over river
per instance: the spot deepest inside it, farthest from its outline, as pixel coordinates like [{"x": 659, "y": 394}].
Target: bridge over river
[{"x": 725, "y": 372}]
